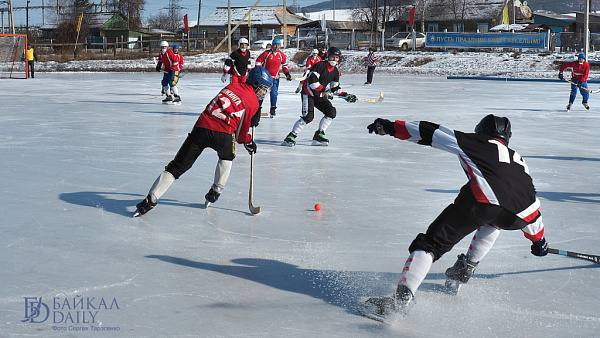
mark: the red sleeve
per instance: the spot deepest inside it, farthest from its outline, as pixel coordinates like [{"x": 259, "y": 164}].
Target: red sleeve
[
  {"x": 586, "y": 71},
  {"x": 401, "y": 131},
  {"x": 261, "y": 58},
  {"x": 284, "y": 63}
]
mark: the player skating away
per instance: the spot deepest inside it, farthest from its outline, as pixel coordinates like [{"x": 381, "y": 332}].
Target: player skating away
[
  {"x": 499, "y": 195},
  {"x": 165, "y": 58},
  {"x": 226, "y": 118},
  {"x": 581, "y": 70},
  {"x": 312, "y": 59},
  {"x": 237, "y": 65},
  {"x": 316, "y": 94},
  {"x": 176, "y": 67},
  {"x": 273, "y": 59}
]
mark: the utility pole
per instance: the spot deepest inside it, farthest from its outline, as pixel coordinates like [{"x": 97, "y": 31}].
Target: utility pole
[{"x": 198, "y": 23}]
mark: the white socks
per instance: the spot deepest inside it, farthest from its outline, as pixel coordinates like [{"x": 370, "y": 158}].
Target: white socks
[
  {"x": 161, "y": 185},
  {"x": 415, "y": 269},
  {"x": 221, "y": 175},
  {"x": 482, "y": 242}
]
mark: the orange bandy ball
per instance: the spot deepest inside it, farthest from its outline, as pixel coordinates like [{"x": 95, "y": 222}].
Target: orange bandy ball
[{"x": 317, "y": 207}]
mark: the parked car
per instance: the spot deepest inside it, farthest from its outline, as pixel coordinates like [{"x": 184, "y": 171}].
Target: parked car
[
  {"x": 403, "y": 40},
  {"x": 341, "y": 41},
  {"x": 265, "y": 42}
]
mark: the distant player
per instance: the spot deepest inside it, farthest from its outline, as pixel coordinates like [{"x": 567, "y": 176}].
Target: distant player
[
  {"x": 316, "y": 94},
  {"x": 273, "y": 59},
  {"x": 312, "y": 59},
  {"x": 499, "y": 195},
  {"x": 323, "y": 52},
  {"x": 165, "y": 58},
  {"x": 370, "y": 64},
  {"x": 226, "y": 118},
  {"x": 237, "y": 65},
  {"x": 176, "y": 67},
  {"x": 581, "y": 70}
]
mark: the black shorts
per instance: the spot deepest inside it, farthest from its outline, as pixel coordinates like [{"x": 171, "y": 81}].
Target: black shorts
[
  {"x": 309, "y": 103},
  {"x": 460, "y": 219},
  {"x": 198, "y": 140}
]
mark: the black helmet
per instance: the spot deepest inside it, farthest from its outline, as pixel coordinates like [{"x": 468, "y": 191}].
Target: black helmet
[
  {"x": 495, "y": 126},
  {"x": 334, "y": 51}
]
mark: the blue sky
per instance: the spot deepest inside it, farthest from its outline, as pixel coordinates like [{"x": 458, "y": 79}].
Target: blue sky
[{"x": 153, "y": 6}]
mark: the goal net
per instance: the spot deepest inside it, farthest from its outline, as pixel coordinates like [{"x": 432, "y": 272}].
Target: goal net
[{"x": 12, "y": 56}]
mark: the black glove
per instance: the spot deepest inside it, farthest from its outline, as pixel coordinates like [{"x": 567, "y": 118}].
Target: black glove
[
  {"x": 328, "y": 94},
  {"x": 560, "y": 76},
  {"x": 382, "y": 127},
  {"x": 350, "y": 98},
  {"x": 539, "y": 248},
  {"x": 170, "y": 72},
  {"x": 250, "y": 147},
  {"x": 578, "y": 84},
  {"x": 288, "y": 76},
  {"x": 256, "y": 118},
  {"x": 158, "y": 67}
]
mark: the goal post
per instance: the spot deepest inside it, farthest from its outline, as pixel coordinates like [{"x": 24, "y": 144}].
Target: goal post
[{"x": 12, "y": 56}]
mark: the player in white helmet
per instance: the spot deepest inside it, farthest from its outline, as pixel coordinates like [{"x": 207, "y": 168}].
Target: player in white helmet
[{"x": 237, "y": 64}]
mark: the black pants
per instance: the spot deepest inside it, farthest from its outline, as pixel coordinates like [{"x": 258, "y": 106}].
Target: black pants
[
  {"x": 370, "y": 71},
  {"x": 461, "y": 218},
  {"x": 31, "y": 67},
  {"x": 309, "y": 103},
  {"x": 198, "y": 140}
]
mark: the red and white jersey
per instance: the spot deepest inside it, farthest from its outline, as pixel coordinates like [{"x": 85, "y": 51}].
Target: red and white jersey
[
  {"x": 580, "y": 71},
  {"x": 312, "y": 60},
  {"x": 497, "y": 174},
  {"x": 371, "y": 60},
  {"x": 177, "y": 64},
  {"x": 231, "y": 111},
  {"x": 272, "y": 61},
  {"x": 166, "y": 58}
]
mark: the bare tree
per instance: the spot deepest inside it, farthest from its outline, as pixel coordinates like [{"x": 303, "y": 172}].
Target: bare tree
[
  {"x": 132, "y": 9},
  {"x": 164, "y": 21}
]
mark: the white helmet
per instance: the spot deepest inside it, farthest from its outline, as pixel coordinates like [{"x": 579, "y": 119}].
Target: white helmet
[
  {"x": 242, "y": 40},
  {"x": 164, "y": 44},
  {"x": 315, "y": 51}
]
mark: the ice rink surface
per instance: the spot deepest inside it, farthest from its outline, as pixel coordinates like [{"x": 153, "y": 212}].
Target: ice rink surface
[{"x": 79, "y": 150}]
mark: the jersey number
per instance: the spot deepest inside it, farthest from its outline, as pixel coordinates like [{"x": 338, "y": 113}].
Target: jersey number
[{"x": 504, "y": 155}]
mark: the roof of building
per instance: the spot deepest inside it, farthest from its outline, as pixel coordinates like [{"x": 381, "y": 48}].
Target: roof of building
[{"x": 267, "y": 15}]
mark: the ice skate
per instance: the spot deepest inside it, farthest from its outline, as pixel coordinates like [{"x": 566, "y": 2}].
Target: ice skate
[
  {"x": 144, "y": 206},
  {"x": 168, "y": 100},
  {"x": 211, "y": 197},
  {"x": 176, "y": 99},
  {"x": 569, "y": 107},
  {"x": 272, "y": 112},
  {"x": 459, "y": 274},
  {"x": 387, "y": 309},
  {"x": 586, "y": 105},
  {"x": 289, "y": 140},
  {"x": 319, "y": 139}
]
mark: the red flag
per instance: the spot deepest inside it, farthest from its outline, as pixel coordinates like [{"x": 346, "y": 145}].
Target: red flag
[
  {"x": 411, "y": 21},
  {"x": 185, "y": 22}
]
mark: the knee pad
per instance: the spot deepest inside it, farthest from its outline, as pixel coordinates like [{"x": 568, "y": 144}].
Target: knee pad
[
  {"x": 331, "y": 113},
  {"x": 307, "y": 119}
]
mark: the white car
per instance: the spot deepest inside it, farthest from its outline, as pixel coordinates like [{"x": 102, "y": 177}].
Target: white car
[
  {"x": 265, "y": 42},
  {"x": 403, "y": 40}
]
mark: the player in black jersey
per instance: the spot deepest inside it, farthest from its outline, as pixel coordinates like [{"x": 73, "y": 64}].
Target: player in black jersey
[
  {"x": 315, "y": 94},
  {"x": 499, "y": 195},
  {"x": 237, "y": 64}
]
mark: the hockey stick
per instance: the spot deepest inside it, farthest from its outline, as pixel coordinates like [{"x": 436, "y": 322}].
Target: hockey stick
[
  {"x": 589, "y": 90},
  {"x": 593, "y": 258},
  {"x": 254, "y": 210},
  {"x": 299, "y": 78}
]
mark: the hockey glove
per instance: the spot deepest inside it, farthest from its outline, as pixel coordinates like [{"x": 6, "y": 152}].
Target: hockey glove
[
  {"x": 579, "y": 84},
  {"x": 225, "y": 78},
  {"x": 350, "y": 98},
  {"x": 382, "y": 127},
  {"x": 539, "y": 248},
  {"x": 560, "y": 76},
  {"x": 256, "y": 118},
  {"x": 170, "y": 72},
  {"x": 158, "y": 67},
  {"x": 288, "y": 76},
  {"x": 328, "y": 94},
  {"x": 250, "y": 147}
]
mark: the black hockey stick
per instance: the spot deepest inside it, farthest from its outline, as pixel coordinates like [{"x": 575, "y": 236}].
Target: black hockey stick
[
  {"x": 254, "y": 210},
  {"x": 593, "y": 258}
]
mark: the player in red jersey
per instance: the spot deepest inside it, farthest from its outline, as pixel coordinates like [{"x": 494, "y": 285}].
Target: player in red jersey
[{"x": 227, "y": 118}]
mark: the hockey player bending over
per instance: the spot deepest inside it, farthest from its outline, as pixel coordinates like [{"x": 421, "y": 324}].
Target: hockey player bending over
[
  {"x": 227, "y": 117},
  {"x": 499, "y": 195},
  {"x": 315, "y": 94}
]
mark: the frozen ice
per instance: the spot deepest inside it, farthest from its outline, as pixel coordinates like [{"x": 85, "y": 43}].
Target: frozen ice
[{"x": 79, "y": 150}]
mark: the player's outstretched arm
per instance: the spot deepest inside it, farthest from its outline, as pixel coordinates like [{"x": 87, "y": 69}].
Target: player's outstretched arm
[{"x": 382, "y": 127}]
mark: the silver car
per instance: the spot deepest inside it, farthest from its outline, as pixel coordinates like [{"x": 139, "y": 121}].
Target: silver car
[{"x": 403, "y": 40}]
